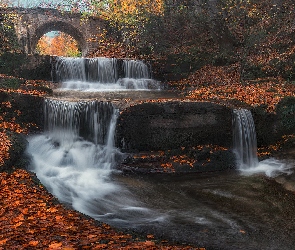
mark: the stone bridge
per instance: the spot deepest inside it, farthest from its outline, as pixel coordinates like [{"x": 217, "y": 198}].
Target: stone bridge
[{"x": 32, "y": 24}]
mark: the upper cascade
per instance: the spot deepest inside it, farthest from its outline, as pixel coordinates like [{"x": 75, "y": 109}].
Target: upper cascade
[
  {"x": 136, "y": 69},
  {"x": 102, "y": 73}
]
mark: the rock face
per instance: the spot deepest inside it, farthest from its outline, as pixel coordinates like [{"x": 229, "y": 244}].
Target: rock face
[
  {"x": 36, "y": 67},
  {"x": 30, "y": 109},
  {"x": 161, "y": 126}
]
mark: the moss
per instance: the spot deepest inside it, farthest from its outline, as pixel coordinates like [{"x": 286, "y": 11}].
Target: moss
[
  {"x": 10, "y": 63},
  {"x": 10, "y": 83},
  {"x": 286, "y": 113}
]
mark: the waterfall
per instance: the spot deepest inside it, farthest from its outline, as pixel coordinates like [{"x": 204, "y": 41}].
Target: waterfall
[
  {"x": 75, "y": 157},
  {"x": 102, "y": 70},
  {"x": 103, "y": 74},
  {"x": 67, "y": 69},
  {"x": 76, "y": 151},
  {"x": 245, "y": 148},
  {"x": 244, "y": 139},
  {"x": 92, "y": 120}
]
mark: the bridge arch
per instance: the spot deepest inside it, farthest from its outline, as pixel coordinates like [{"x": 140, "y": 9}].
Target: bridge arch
[
  {"x": 59, "y": 26},
  {"x": 31, "y": 24}
]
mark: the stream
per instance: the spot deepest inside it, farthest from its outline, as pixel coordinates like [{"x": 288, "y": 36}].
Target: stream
[{"x": 76, "y": 159}]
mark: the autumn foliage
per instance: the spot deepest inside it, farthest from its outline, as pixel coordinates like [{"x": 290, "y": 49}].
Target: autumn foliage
[
  {"x": 221, "y": 84},
  {"x": 31, "y": 218},
  {"x": 5, "y": 145},
  {"x": 127, "y": 12}
]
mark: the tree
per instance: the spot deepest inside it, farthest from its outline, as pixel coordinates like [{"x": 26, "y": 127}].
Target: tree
[
  {"x": 264, "y": 33},
  {"x": 8, "y": 38},
  {"x": 130, "y": 17},
  {"x": 5, "y": 3}
]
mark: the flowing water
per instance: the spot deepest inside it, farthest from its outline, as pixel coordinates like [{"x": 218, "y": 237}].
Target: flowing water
[
  {"x": 245, "y": 148},
  {"x": 72, "y": 167},
  {"x": 214, "y": 210},
  {"x": 103, "y": 74},
  {"x": 76, "y": 160}
]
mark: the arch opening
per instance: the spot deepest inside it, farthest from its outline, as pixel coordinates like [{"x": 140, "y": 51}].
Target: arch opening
[
  {"x": 58, "y": 27},
  {"x": 58, "y": 43}
]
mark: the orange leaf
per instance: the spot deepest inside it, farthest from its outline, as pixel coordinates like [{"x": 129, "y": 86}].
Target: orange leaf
[
  {"x": 58, "y": 217},
  {"x": 25, "y": 210},
  {"x": 149, "y": 243},
  {"x": 33, "y": 243},
  {"x": 55, "y": 245},
  {"x": 2, "y": 242},
  {"x": 52, "y": 210},
  {"x": 18, "y": 224}
]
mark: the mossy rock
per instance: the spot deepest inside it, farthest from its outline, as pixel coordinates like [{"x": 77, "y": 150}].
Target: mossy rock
[
  {"x": 285, "y": 110},
  {"x": 10, "y": 83},
  {"x": 265, "y": 126}
]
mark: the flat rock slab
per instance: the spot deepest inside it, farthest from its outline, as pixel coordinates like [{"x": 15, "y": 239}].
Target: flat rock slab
[
  {"x": 120, "y": 98},
  {"x": 173, "y": 124}
]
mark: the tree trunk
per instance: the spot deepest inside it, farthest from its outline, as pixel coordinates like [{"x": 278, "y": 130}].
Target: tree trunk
[{"x": 219, "y": 30}]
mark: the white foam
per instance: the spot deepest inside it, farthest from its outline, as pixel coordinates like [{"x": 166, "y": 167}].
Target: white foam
[
  {"x": 126, "y": 84},
  {"x": 270, "y": 167}
]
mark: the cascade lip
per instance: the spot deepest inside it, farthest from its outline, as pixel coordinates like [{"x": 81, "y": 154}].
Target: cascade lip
[{"x": 135, "y": 95}]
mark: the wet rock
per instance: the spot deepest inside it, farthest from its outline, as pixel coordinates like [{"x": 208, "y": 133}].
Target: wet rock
[
  {"x": 203, "y": 154},
  {"x": 27, "y": 66},
  {"x": 179, "y": 161},
  {"x": 3, "y": 96},
  {"x": 265, "y": 126},
  {"x": 286, "y": 115}
]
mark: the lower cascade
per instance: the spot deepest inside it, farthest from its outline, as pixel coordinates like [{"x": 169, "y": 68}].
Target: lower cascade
[
  {"x": 94, "y": 121},
  {"x": 245, "y": 148},
  {"x": 75, "y": 156}
]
